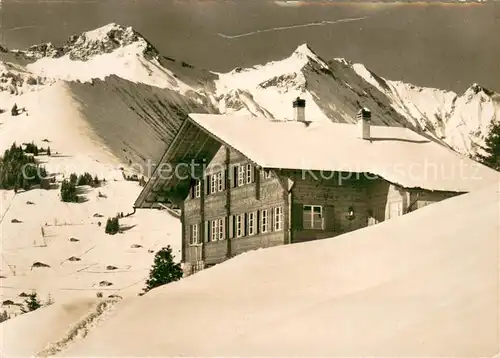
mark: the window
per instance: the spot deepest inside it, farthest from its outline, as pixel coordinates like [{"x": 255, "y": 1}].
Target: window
[
  {"x": 241, "y": 175},
  {"x": 213, "y": 183},
  {"x": 197, "y": 189},
  {"x": 220, "y": 182},
  {"x": 395, "y": 209},
  {"x": 268, "y": 174},
  {"x": 239, "y": 226},
  {"x": 278, "y": 218},
  {"x": 214, "y": 233},
  {"x": 221, "y": 229},
  {"x": 194, "y": 237},
  {"x": 249, "y": 173},
  {"x": 252, "y": 223},
  {"x": 313, "y": 217},
  {"x": 264, "y": 221}
]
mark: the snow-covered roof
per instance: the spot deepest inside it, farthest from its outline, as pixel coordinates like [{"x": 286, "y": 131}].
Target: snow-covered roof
[{"x": 397, "y": 154}]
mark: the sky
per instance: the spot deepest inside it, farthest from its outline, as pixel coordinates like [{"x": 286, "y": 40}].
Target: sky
[{"x": 440, "y": 45}]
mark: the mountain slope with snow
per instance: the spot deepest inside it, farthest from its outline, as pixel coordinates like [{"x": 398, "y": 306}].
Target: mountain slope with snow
[
  {"x": 334, "y": 90},
  {"x": 36, "y": 227},
  {"x": 462, "y": 121}
]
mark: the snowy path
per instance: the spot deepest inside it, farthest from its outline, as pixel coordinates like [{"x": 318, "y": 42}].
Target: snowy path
[{"x": 80, "y": 329}]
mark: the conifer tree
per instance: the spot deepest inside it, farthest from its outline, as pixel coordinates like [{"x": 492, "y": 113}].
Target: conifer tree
[
  {"x": 68, "y": 192},
  {"x": 491, "y": 148},
  {"x": 31, "y": 303},
  {"x": 164, "y": 269},
  {"x": 4, "y": 316}
]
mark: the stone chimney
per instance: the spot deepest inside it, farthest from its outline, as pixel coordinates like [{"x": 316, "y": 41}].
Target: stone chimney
[
  {"x": 364, "y": 122},
  {"x": 299, "y": 106}
]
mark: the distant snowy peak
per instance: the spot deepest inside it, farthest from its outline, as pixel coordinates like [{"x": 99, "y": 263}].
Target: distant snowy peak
[
  {"x": 281, "y": 73},
  {"x": 267, "y": 90},
  {"x": 105, "y": 39},
  {"x": 306, "y": 54},
  {"x": 461, "y": 120},
  {"x": 111, "y": 50}
]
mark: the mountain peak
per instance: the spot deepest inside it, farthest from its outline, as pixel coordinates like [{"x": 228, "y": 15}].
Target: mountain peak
[
  {"x": 476, "y": 89},
  {"x": 105, "y": 39},
  {"x": 304, "y": 52},
  {"x": 104, "y": 32}
]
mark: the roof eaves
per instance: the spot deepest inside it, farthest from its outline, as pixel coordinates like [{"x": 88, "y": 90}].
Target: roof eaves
[{"x": 147, "y": 188}]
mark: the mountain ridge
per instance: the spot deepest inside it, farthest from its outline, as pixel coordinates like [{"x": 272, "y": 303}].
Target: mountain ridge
[{"x": 334, "y": 90}]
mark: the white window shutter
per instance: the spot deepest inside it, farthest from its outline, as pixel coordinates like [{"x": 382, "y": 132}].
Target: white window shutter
[
  {"x": 223, "y": 229},
  {"x": 271, "y": 220},
  {"x": 207, "y": 230},
  {"x": 231, "y": 226}
]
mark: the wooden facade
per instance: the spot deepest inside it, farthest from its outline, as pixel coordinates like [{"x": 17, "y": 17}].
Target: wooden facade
[{"x": 236, "y": 206}]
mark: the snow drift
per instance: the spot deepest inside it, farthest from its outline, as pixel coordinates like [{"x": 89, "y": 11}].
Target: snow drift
[{"x": 424, "y": 284}]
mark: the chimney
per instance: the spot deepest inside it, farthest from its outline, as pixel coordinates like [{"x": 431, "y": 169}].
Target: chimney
[
  {"x": 299, "y": 106},
  {"x": 364, "y": 122}
]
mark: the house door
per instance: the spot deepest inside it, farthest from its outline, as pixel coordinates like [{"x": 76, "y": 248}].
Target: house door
[{"x": 395, "y": 209}]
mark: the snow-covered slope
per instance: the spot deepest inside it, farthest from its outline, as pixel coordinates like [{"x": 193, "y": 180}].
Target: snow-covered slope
[
  {"x": 424, "y": 284},
  {"x": 461, "y": 120},
  {"x": 35, "y": 226}
]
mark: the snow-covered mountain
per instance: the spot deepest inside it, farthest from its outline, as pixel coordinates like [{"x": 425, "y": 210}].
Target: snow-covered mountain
[
  {"x": 461, "y": 120},
  {"x": 106, "y": 100},
  {"x": 334, "y": 90}
]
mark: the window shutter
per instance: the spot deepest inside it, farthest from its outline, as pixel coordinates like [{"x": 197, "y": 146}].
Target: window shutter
[
  {"x": 329, "y": 218},
  {"x": 253, "y": 171},
  {"x": 189, "y": 234},
  {"x": 271, "y": 220},
  {"x": 257, "y": 177},
  {"x": 231, "y": 226},
  {"x": 193, "y": 183},
  {"x": 257, "y": 229},
  {"x": 224, "y": 179},
  {"x": 207, "y": 230},
  {"x": 223, "y": 229},
  {"x": 297, "y": 216},
  {"x": 245, "y": 224},
  {"x": 206, "y": 183},
  {"x": 234, "y": 178}
]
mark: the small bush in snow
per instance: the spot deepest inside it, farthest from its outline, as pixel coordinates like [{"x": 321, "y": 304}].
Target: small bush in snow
[
  {"x": 112, "y": 226},
  {"x": 164, "y": 269},
  {"x": 14, "y": 111}
]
